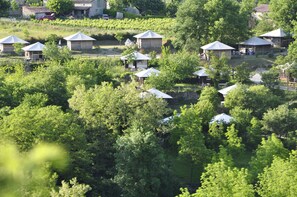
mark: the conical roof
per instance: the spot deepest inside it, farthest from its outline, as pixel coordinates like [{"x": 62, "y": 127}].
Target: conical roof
[
  {"x": 201, "y": 73},
  {"x": 148, "y": 34},
  {"x": 34, "y": 47},
  {"x": 78, "y": 37},
  {"x": 256, "y": 78},
  {"x": 278, "y": 33},
  {"x": 128, "y": 42},
  {"x": 221, "y": 118},
  {"x": 136, "y": 56},
  {"x": 12, "y": 40},
  {"x": 216, "y": 46},
  {"x": 226, "y": 90},
  {"x": 159, "y": 94},
  {"x": 255, "y": 41},
  {"x": 148, "y": 72}
]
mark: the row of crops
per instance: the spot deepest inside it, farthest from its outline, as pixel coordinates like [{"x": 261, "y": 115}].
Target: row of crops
[{"x": 161, "y": 25}]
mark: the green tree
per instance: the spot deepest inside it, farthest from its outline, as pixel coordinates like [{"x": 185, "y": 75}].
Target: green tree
[
  {"x": 242, "y": 73},
  {"x": 218, "y": 69},
  {"x": 265, "y": 153},
  {"x": 221, "y": 180},
  {"x": 73, "y": 188},
  {"x": 14, "y": 5},
  {"x": 119, "y": 37},
  {"x": 29, "y": 174},
  {"x": 18, "y": 48},
  {"x": 210, "y": 20},
  {"x": 210, "y": 94},
  {"x": 60, "y": 7},
  {"x": 5, "y": 5},
  {"x": 283, "y": 12},
  {"x": 234, "y": 142},
  {"x": 141, "y": 165},
  {"x": 257, "y": 98},
  {"x": 190, "y": 137},
  {"x": 280, "y": 178},
  {"x": 55, "y": 53},
  {"x": 116, "y": 108}
]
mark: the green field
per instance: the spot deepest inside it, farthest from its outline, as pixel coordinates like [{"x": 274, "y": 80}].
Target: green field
[{"x": 42, "y": 29}]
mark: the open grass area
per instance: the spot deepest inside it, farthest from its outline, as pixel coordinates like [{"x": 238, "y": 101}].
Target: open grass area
[
  {"x": 260, "y": 61},
  {"x": 28, "y": 29}
]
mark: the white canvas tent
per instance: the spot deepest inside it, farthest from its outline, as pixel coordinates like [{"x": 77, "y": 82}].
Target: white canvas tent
[
  {"x": 6, "y": 44},
  {"x": 156, "y": 93},
  {"x": 149, "y": 40},
  {"x": 147, "y": 73},
  {"x": 218, "y": 49},
  {"x": 79, "y": 41},
  {"x": 226, "y": 90},
  {"x": 138, "y": 60},
  {"x": 34, "y": 51},
  {"x": 221, "y": 118}
]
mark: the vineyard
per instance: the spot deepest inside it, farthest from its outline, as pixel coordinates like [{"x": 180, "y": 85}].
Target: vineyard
[{"x": 160, "y": 25}]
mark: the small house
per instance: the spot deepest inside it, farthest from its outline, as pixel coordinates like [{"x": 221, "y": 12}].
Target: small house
[
  {"x": 34, "y": 51},
  {"x": 135, "y": 60},
  {"x": 79, "y": 41},
  {"x": 88, "y": 8},
  {"x": 37, "y": 12},
  {"x": 217, "y": 48},
  {"x": 142, "y": 75},
  {"x": 277, "y": 37},
  {"x": 149, "y": 40},
  {"x": 6, "y": 44},
  {"x": 255, "y": 45}
]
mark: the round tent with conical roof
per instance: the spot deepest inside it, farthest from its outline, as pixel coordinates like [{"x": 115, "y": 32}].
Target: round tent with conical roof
[
  {"x": 217, "y": 48},
  {"x": 255, "y": 45},
  {"x": 135, "y": 60},
  {"x": 34, "y": 51},
  {"x": 278, "y": 37},
  {"x": 149, "y": 40},
  {"x": 6, "y": 44},
  {"x": 79, "y": 41}
]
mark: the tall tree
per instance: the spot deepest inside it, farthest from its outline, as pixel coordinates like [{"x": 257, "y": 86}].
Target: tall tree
[
  {"x": 266, "y": 151},
  {"x": 141, "y": 166},
  {"x": 283, "y": 12},
  {"x": 60, "y": 7},
  {"x": 200, "y": 22},
  {"x": 4, "y": 5},
  {"x": 280, "y": 178},
  {"x": 220, "y": 179}
]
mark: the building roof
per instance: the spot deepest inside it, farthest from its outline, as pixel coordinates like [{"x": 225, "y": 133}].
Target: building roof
[
  {"x": 148, "y": 34},
  {"x": 256, "y": 78},
  {"x": 262, "y": 8},
  {"x": 34, "y": 47},
  {"x": 148, "y": 72},
  {"x": 278, "y": 33},
  {"x": 128, "y": 42},
  {"x": 226, "y": 90},
  {"x": 169, "y": 119},
  {"x": 82, "y": 1},
  {"x": 221, "y": 118},
  {"x": 216, "y": 46},
  {"x": 156, "y": 93},
  {"x": 78, "y": 37},
  {"x": 37, "y": 9},
  {"x": 12, "y": 39},
  {"x": 135, "y": 56},
  {"x": 201, "y": 73},
  {"x": 255, "y": 41}
]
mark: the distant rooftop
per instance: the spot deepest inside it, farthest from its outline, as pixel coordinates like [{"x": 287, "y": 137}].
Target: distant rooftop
[{"x": 262, "y": 8}]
